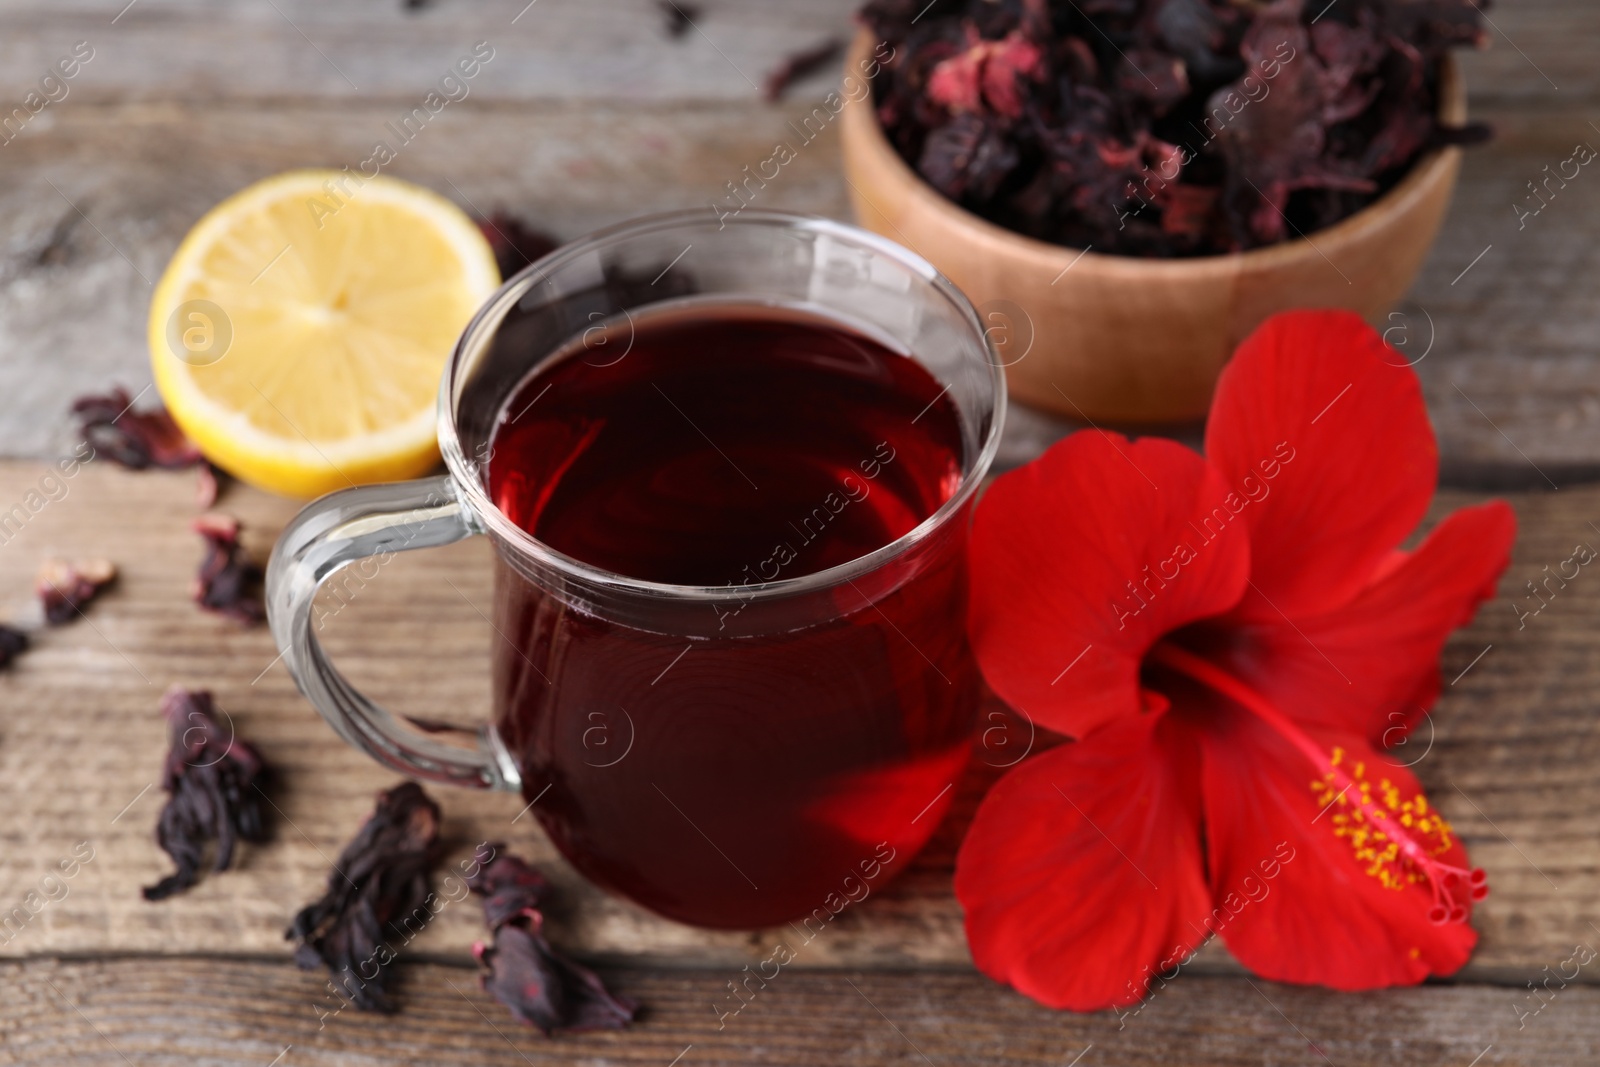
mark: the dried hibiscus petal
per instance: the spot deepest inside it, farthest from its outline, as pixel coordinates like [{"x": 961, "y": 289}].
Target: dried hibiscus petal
[
  {"x": 515, "y": 244},
  {"x": 539, "y": 985},
  {"x": 508, "y": 886},
  {"x": 1454, "y": 22},
  {"x": 229, "y": 582},
  {"x": 208, "y": 485},
  {"x": 134, "y": 439},
  {"x": 679, "y": 16},
  {"x": 1279, "y": 143},
  {"x": 65, "y": 588},
  {"x": 139, "y": 440},
  {"x": 13, "y": 643},
  {"x": 380, "y": 881},
  {"x": 213, "y": 784},
  {"x": 798, "y": 65},
  {"x": 987, "y": 75},
  {"x": 969, "y": 157}
]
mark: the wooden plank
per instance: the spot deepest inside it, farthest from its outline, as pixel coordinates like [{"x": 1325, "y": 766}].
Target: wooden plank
[
  {"x": 1512, "y": 761},
  {"x": 1535, "y": 52},
  {"x": 198, "y": 52},
  {"x": 132, "y": 1012},
  {"x": 1504, "y": 382},
  {"x": 1509, "y": 375},
  {"x": 75, "y": 288},
  {"x": 188, "y": 50}
]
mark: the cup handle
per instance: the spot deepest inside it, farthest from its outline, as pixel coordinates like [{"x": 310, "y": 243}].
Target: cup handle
[{"x": 333, "y": 532}]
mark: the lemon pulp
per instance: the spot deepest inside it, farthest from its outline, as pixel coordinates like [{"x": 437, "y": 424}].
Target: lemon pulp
[{"x": 299, "y": 333}]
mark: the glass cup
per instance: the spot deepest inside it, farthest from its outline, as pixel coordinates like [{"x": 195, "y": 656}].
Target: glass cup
[{"x": 726, "y": 756}]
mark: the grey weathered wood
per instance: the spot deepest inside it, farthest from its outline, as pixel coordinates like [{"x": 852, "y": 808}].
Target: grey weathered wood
[
  {"x": 1513, "y": 378},
  {"x": 372, "y": 50},
  {"x": 75, "y": 289},
  {"x": 1513, "y": 336},
  {"x": 118, "y": 1013},
  {"x": 589, "y": 114},
  {"x": 203, "y": 53},
  {"x": 1535, "y": 52}
]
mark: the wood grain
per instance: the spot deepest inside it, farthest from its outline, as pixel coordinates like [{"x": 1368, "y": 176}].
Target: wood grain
[
  {"x": 1513, "y": 758},
  {"x": 1511, "y": 374},
  {"x": 118, "y": 1013},
  {"x": 75, "y": 288},
  {"x": 199, "y": 52},
  {"x": 1509, "y": 370},
  {"x": 99, "y": 189},
  {"x": 589, "y": 114},
  {"x": 1535, "y": 52},
  {"x": 204, "y": 53}
]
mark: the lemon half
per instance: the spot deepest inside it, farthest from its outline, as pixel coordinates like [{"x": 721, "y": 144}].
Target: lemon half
[{"x": 299, "y": 333}]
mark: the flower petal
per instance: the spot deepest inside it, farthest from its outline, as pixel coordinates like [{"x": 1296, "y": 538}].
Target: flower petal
[
  {"x": 1321, "y": 427},
  {"x": 1083, "y": 559},
  {"x": 1372, "y": 665},
  {"x": 1081, "y": 875},
  {"x": 1293, "y": 900}
]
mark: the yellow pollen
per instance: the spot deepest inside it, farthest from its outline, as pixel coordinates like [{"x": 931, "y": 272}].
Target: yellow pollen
[{"x": 1376, "y": 850}]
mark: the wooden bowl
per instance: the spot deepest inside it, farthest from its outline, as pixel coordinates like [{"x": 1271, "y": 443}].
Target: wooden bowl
[{"x": 1124, "y": 339}]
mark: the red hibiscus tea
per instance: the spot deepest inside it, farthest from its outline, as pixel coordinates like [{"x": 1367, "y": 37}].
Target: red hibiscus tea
[
  {"x": 726, "y": 464},
  {"x": 732, "y": 760}
]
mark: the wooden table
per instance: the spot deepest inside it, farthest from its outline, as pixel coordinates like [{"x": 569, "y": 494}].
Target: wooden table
[{"x": 589, "y": 113}]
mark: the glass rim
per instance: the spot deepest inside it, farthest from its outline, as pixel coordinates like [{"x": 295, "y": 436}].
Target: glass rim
[{"x": 486, "y": 321}]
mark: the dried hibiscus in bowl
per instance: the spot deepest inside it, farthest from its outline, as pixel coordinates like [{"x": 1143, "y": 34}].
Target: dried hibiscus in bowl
[{"x": 1167, "y": 127}]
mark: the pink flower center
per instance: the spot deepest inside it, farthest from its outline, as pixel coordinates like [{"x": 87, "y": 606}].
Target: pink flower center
[{"x": 1392, "y": 835}]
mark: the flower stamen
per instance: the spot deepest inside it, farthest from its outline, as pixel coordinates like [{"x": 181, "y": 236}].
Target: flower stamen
[{"x": 1372, "y": 821}]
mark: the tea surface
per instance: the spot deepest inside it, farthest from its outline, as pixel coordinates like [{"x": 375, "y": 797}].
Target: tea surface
[{"x": 732, "y": 446}]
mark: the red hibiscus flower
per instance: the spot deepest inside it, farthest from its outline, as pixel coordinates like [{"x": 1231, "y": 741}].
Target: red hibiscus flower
[{"x": 1232, "y": 640}]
